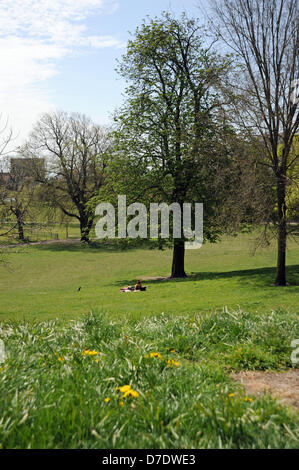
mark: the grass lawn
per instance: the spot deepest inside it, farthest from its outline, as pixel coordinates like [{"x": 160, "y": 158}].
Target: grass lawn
[
  {"x": 96, "y": 368},
  {"x": 162, "y": 382},
  {"x": 40, "y": 282}
]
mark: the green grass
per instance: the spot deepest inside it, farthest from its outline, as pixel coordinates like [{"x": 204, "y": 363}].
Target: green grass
[
  {"x": 191, "y": 403},
  {"x": 226, "y": 316},
  {"x": 40, "y": 282}
]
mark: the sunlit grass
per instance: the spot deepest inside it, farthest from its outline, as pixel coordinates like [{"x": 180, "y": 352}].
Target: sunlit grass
[{"x": 41, "y": 282}]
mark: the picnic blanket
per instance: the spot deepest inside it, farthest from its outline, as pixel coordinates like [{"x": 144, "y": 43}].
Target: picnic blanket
[{"x": 131, "y": 289}]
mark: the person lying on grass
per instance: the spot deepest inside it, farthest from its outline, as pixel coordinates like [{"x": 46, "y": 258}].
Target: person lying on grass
[{"x": 138, "y": 287}]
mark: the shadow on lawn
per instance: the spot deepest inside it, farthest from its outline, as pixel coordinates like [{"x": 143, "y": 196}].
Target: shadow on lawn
[
  {"x": 110, "y": 246},
  {"x": 259, "y": 277}
]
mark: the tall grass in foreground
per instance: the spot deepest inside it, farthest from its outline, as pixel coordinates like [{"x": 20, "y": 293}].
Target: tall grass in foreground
[{"x": 64, "y": 386}]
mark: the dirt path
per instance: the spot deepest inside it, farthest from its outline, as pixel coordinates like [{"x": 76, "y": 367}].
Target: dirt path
[{"x": 282, "y": 385}]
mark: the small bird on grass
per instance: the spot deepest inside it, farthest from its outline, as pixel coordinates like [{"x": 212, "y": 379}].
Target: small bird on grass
[{"x": 79, "y": 288}]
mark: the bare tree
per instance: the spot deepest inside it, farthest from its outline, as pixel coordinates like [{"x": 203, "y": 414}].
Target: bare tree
[
  {"x": 75, "y": 150},
  {"x": 6, "y": 137},
  {"x": 264, "y": 36},
  {"x": 17, "y": 192}
]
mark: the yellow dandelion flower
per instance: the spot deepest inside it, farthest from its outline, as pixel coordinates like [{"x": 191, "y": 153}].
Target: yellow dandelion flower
[
  {"x": 124, "y": 388},
  {"x": 231, "y": 395},
  {"x": 248, "y": 399},
  {"x": 121, "y": 403},
  {"x": 87, "y": 352},
  {"x": 171, "y": 363},
  {"x": 107, "y": 400},
  {"x": 60, "y": 359},
  {"x": 153, "y": 354},
  {"x": 130, "y": 393}
]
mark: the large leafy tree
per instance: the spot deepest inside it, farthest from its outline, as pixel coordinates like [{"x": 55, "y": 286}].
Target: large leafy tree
[{"x": 168, "y": 133}]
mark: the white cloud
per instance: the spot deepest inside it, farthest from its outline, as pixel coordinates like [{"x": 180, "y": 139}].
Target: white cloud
[{"x": 34, "y": 36}]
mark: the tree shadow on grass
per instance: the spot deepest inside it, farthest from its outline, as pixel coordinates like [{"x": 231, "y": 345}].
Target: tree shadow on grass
[
  {"x": 259, "y": 277},
  {"x": 77, "y": 247},
  {"x": 109, "y": 246}
]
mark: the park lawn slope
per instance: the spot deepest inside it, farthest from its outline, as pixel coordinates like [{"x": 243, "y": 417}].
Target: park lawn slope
[{"x": 41, "y": 282}]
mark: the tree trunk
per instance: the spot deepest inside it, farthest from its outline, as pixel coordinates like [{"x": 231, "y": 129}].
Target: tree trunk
[
  {"x": 178, "y": 260},
  {"x": 20, "y": 226},
  {"x": 85, "y": 227},
  {"x": 282, "y": 234}
]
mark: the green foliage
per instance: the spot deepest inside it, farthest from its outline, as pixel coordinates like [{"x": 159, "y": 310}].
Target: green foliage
[
  {"x": 292, "y": 186},
  {"x": 168, "y": 136}
]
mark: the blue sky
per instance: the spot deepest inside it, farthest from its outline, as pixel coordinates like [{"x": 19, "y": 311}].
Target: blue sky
[{"x": 62, "y": 54}]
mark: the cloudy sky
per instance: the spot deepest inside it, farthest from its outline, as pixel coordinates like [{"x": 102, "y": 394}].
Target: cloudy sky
[{"x": 62, "y": 54}]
